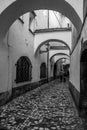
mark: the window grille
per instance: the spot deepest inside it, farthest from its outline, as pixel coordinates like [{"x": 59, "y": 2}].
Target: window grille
[{"x": 23, "y": 70}]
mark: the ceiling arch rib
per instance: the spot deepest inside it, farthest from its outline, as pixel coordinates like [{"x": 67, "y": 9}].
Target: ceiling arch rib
[
  {"x": 57, "y": 54},
  {"x": 61, "y": 59},
  {"x": 19, "y": 7}
]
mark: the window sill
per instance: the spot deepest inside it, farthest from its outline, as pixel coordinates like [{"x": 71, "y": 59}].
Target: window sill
[{"x": 23, "y": 83}]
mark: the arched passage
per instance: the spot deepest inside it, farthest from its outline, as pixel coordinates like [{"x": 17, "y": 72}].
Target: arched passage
[
  {"x": 55, "y": 65},
  {"x": 52, "y": 40},
  {"x": 83, "y": 82},
  {"x": 61, "y": 69},
  {"x": 19, "y": 7}
]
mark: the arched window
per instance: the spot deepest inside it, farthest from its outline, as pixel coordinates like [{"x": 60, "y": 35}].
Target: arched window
[
  {"x": 43, "y": 70},
  {"x": 23, "y": 70}
]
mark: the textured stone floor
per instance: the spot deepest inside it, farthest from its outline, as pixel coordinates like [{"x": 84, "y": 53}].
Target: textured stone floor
[{"x": 48, "y": 108}]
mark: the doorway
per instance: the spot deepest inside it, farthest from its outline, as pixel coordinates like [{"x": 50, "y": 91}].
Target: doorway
[{"x": 83, "y": 83}]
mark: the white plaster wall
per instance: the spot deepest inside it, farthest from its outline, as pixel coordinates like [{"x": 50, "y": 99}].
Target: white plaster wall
[
  {"x": 18, "y": 42},
  {"x": 74, "y": 36},
  {"x": 22, "y": 42},
  {"x": 3, "y": 70},
  {"x": 75, "y": 67},
  {"x": 5, "y": 76},
  {"x": 75, "y": 59}
]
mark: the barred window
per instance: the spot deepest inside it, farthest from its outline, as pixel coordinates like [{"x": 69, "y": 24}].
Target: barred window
[
  {"x": 43, "y": 70},
  {"x": 23, "y": 70}
]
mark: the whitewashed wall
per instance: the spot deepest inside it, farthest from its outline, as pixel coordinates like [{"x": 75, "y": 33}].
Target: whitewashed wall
[
  {"x": 75, "y": 59},
  {"x": 75, "y": 67},
  {"x": 18, "y": 42}
]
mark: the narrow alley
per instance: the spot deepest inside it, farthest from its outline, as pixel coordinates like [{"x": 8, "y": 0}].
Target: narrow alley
[
  {"x": 43, "y": 64},
  {"x": 49, "y": 107}
]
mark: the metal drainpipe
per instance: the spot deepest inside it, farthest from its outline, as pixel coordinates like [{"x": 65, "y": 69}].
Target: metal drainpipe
[
  {"x": 8, "y": 57},
  {"x": 47, "y": 64}
]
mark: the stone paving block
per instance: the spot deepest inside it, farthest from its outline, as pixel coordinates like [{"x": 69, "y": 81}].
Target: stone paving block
[{"x": 49, "y": 108}]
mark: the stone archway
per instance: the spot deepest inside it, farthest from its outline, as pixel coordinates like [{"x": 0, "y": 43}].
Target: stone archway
[
  {"x": 53, "y": 40},
  {"x": 55, "y": 75},
  {"x": 64, "y": 68},
  {"x": 19, "y": 7}
]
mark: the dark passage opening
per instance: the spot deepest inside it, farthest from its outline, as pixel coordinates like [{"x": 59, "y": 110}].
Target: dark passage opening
[{"x": 83, "y": 83}]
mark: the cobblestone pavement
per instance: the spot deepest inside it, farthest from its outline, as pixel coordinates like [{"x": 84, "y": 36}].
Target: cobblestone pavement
[{"x": 48, "y": 108}]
